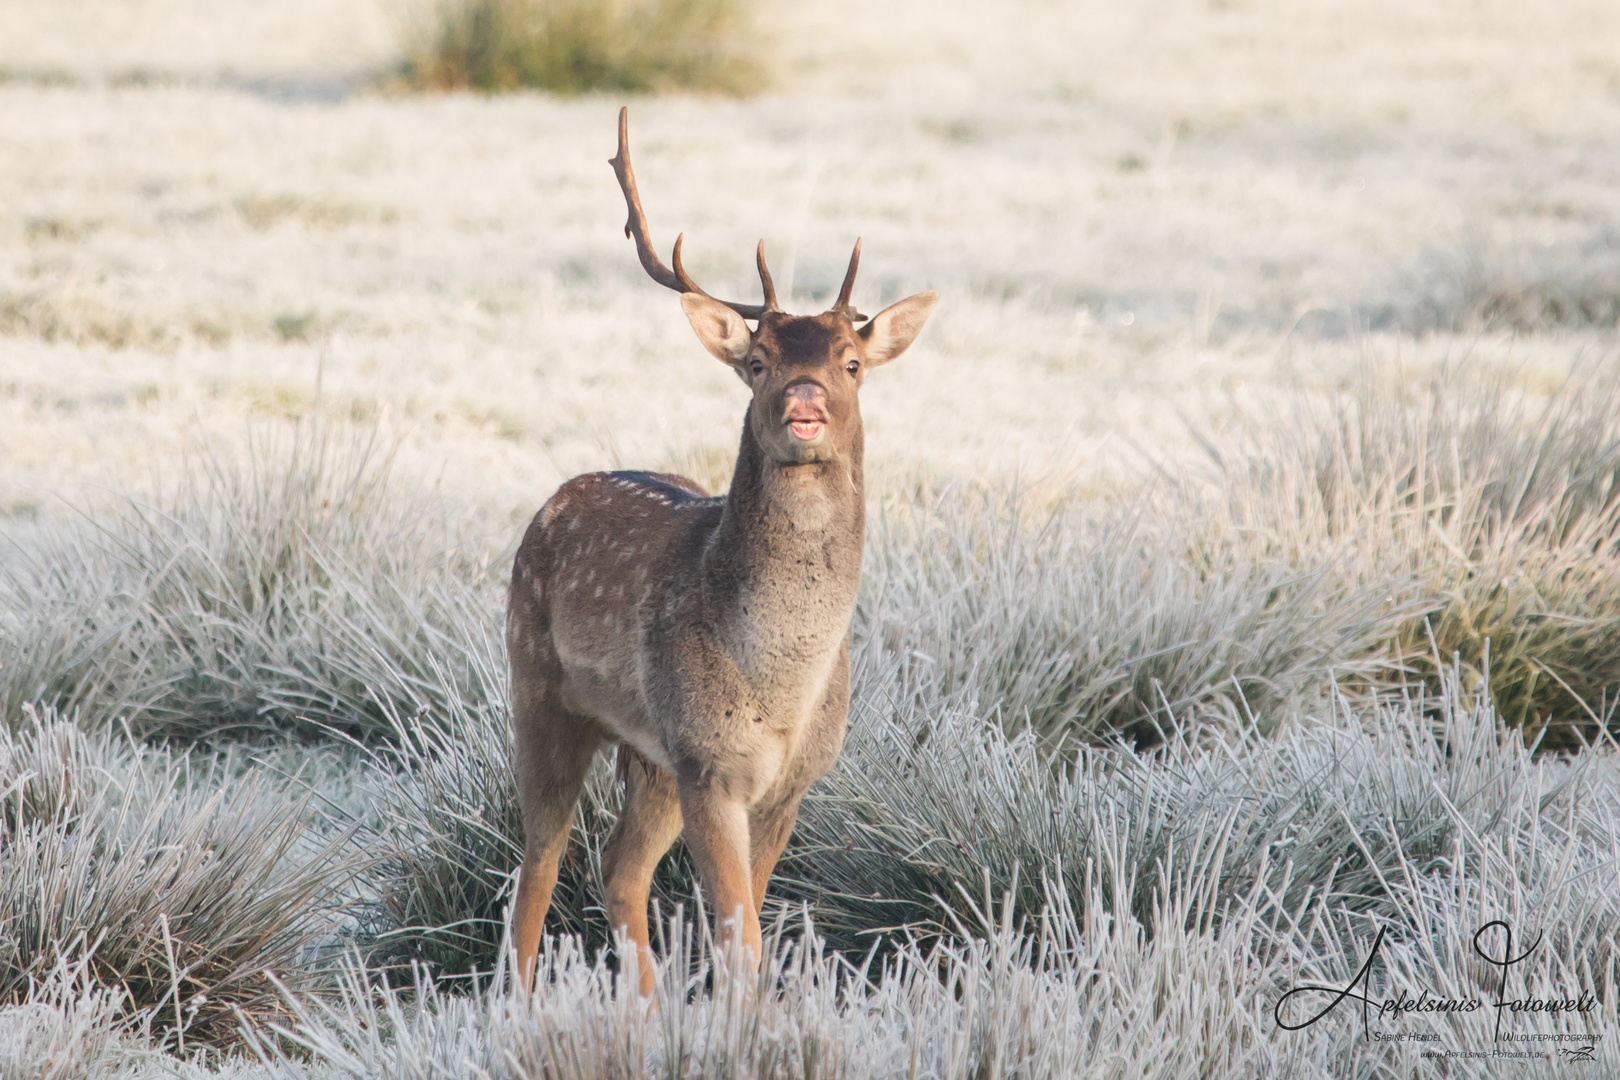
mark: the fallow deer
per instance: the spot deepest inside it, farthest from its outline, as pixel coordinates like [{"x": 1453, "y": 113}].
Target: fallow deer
[{"x": 707, "y": 636}]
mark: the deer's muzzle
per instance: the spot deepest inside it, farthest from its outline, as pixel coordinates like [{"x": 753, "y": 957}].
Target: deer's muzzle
[{"x": 805, "y": 411}]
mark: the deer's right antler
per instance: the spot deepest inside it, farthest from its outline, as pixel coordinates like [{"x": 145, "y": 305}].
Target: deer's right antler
[{"x": 636, "y": 229}]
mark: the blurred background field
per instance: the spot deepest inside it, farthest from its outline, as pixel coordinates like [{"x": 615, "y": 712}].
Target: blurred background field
[
  {"x": 1135, "y": 215},
  {"x": 1270, "y": 419}
]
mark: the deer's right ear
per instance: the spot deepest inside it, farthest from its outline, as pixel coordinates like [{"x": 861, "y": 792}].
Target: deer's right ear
[{"x": 721, "y": 330}]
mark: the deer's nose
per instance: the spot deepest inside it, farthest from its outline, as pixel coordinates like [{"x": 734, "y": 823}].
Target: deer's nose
[{"x": 806, "y": 400}]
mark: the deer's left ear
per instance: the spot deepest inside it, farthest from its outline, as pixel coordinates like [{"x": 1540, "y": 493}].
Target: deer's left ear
[{"x": 893, "y": 329}]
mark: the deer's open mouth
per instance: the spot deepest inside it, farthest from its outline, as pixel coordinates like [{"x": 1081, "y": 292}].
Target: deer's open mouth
[{"x": 804, "y": 416}]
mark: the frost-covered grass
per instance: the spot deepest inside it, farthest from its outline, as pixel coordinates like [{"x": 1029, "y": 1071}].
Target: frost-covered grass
[
  {"x": 1367, "y": 547},
  {"x": 1033, "y": 894},
  {"x": 311, "y": 591},
  {"x": 1172, "y": 971},
  {"x": 1273, "y": 379},
  {"x": 296, "y": 593},
  {"x": 1185, "y": 746},
  {"x": 1141, "y": 918},
  {"x": 177, "y": 879}
]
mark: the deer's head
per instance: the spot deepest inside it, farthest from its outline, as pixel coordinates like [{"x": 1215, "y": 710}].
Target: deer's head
[{"x": 805, "y": 371}]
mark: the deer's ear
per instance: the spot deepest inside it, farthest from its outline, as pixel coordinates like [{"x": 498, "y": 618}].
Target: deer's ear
[
  {"x": 893, "y": 329},
  {"x": 721, "y": 330}
]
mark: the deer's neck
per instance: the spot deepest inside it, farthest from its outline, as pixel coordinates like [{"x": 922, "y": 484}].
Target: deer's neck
[{"x": 784, "y": 566}]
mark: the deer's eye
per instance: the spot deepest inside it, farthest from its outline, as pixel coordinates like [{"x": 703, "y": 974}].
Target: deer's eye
[
  {"x": 853, "y": 366},
  {"x": 756, "y": 365}
]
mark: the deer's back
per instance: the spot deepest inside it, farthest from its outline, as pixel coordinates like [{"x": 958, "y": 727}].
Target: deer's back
[{"x": 607, "y": 557}]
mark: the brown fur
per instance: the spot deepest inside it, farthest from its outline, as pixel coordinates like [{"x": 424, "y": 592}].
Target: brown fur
[{"x": 708, "y": 637}]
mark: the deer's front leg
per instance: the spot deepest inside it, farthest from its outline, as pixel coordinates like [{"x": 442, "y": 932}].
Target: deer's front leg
[{"x": 716, "y": 831}]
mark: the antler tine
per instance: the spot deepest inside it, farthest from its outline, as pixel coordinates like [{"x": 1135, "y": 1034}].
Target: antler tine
[
  {"x": 843, "y": 304},
  {"x": 683, "y": 280},
  {"x": 636, "y": 229},
  {"x": 765, "y": 282}
]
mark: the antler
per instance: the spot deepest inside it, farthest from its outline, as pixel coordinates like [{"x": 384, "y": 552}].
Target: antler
[
  {"x": 765, "y": 278},
  {"x": 636, "y": 229},
  {"x": 843, "y": 305}
]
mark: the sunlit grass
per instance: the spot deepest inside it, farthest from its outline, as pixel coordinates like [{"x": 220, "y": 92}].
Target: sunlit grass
[{"x": 573, "y": 46}]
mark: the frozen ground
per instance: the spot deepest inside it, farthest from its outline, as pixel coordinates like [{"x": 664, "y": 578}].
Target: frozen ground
[{"x": 1137, "y": 218}]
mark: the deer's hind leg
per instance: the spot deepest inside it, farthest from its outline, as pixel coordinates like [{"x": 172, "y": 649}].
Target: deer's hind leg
[
  {"x": 553, "y": 749},
  {"x": 647, "y": 826},
  {"x": 768, "y": 832}
]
